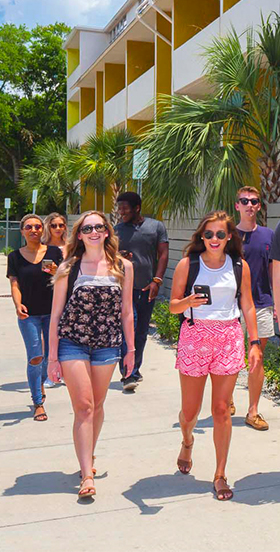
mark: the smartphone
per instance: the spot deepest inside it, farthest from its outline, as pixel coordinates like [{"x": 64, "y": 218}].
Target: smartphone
[
  {"x": 126, "y": 254},
  {"x": 205, "y": 291},
  {"x": 47, "y": 264}
]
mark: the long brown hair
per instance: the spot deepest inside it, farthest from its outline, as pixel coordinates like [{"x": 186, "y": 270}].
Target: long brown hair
[
  {"x": 46, "y": 238},
  {"x": 75, "y": 249},
  {"x": 233, "y": 246}
]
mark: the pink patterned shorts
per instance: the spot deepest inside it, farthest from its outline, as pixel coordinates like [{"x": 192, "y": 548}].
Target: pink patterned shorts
[{"x": 211, "y": 347}]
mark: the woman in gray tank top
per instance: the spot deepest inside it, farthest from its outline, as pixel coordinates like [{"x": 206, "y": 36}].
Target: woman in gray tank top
[{"x": 86, "y": 329}]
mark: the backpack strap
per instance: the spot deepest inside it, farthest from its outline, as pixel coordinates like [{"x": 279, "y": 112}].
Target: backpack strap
[
  {"x": 72, "y": 277},
  {"x": 193, "y": 272},
  {"x": 237, "y": 269}
]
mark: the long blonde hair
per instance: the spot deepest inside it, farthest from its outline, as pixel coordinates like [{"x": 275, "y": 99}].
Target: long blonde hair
[
  {"x": 75, "y": 249},
  {"x": 46, "y": 238}
]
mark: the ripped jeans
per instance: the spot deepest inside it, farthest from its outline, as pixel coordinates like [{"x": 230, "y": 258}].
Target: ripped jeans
[{"x": 32, "y": 329}]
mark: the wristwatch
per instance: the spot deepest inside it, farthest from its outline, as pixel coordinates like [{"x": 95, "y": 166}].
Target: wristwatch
[
  {"x": 157, "y": 280},
  {"x": 255, "y": 342}
]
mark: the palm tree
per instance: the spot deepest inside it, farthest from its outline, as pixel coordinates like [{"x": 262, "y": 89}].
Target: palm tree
[
  {"x": 50, "y": 174},
  {"x": 211, "y": 145},
  {"x": 106, "y": 159}
]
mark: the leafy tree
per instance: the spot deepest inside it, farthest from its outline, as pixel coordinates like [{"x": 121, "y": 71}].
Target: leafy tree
[
  {"x": 32, "y": 94},
  {"x": 106, "y": 160},
  {"x": 49, "y": 173},
  {"x": 210, "y": 145}
]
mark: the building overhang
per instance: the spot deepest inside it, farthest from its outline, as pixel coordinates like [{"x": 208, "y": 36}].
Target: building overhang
[{"x": 115, "y": 52}]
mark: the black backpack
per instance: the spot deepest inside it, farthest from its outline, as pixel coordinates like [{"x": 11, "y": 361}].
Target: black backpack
[{"x": 193, "y": 272}]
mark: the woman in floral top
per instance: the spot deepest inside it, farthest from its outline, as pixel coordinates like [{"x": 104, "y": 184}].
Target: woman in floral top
[{"x": 92, "y": 303}]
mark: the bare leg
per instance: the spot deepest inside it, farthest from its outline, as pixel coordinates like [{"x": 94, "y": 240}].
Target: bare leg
[
  {"x": 77, "y": 376},
  {"x": 255, "y": 383},
  {"x": 192, "y": 394},
  {"x": 100, "y": 377},
  {"x": 222, "y": 389}
]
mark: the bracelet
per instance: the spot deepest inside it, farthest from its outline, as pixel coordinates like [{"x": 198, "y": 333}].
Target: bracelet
[
  {"x": 54, "y": 360},
  {"x": 158, "y": 280},
  {"x": 131, "y": 351}
]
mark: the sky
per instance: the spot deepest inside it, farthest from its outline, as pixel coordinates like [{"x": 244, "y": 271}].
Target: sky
[{"x": 91, "y": 13}]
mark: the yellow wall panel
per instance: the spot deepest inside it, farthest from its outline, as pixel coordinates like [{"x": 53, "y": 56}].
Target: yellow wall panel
[
  {"x": 229, "y": 3},
  {"x": 87, "y": 201},
  {"x": 114, "y": 79},
  {"x": 87, "y": 101},
  {"x": 163, "y": 26},
  {"x": 72, "y": 114},
  {"x": 99, "y": 101},
  {"x": 192, "y": 17},
  {"x": 140, "y": 58},
  {"x": 73, "y": 60},
  {"x": 136, "y": 126},
  {"x": 108, "y": 199}
]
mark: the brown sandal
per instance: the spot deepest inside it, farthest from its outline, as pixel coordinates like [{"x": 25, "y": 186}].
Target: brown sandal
[
  {"x": 93, "y": 469},
  {"x": 39, "y": 417},
  {"x": 185, "y": 466},
  {"x": 224, "y": 490},
  {"x": 86, "y": 491}
]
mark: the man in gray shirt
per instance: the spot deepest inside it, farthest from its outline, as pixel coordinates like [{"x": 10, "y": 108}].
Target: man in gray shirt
[{"x": 144, "y": 241}]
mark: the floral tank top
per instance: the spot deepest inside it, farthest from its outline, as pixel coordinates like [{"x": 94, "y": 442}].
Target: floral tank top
[{"x": 92, "y": 315}]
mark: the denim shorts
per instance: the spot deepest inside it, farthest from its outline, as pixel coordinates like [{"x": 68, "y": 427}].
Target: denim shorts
[{"x": 69, "y": 350}]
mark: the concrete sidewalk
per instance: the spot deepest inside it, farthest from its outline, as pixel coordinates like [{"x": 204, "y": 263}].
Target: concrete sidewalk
[{"x": 143, "y": 503}]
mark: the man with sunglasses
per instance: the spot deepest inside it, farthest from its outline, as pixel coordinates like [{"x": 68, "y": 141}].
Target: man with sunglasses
[
  {"x": 257, "y": 241},
  {"x": 144, "y": 241}
]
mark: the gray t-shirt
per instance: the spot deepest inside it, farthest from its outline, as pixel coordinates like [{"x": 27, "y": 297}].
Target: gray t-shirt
[
  {"x": 275, "y": 248},
  {"x": 142, "y": 241}
]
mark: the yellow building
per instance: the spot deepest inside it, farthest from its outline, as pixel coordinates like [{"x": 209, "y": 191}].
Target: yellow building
[{"x": 149, "y": 47}]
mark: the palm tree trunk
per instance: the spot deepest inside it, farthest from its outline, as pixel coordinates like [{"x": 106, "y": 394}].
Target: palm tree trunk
[
  {"x": 116, "y": 190},
  {"x": 270, "y": 183}
]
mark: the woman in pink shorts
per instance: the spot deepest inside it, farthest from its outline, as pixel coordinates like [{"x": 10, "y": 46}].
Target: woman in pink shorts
[{"x": 214, "y": 343}]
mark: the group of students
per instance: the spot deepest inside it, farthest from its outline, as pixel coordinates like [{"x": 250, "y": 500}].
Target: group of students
[{"x": 93, "y": 313}]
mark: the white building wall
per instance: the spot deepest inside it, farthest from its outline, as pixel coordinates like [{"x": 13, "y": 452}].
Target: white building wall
[
  {"x": 80, "y": 132},
  {"x": 92, "y": 45},
  {"x": 141, "y": 93},
  {"x": 131, "y": 14},
  {"x": 188, "y": 61},
  {"x": 114, "y": 110}
]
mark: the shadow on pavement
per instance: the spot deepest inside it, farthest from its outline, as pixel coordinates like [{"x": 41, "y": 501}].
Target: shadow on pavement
[
  {"x": 44, "y": 483},
  {"x": 13, "y": 418},
  {"x": 117, "y": 385},
  {"x": 237, "y": 421},
  {"x": 18, "y": 386},
  {"x": 254, "y": 490},
  {"x": 258, "y": 489},
  {"x": 161, "y": 487}
]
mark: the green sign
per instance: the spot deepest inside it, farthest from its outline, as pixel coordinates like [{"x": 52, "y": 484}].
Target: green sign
[{"x": 140, "y": 164}]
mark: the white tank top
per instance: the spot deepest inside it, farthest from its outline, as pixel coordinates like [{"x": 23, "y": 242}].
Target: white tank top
[{"x": 223, "y": 288}]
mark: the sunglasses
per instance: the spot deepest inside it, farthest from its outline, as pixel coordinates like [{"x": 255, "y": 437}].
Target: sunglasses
[
  {"x": 30, "y": 226},
  {"x": 246, "y": 200},
  {"x": 208, "y": 234},
  {"x": 88, "y": 228},
  {"x": 60, "y": 225}
]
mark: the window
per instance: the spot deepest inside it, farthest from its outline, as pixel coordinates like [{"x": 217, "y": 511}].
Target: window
[{"x": 118, "y": 29}]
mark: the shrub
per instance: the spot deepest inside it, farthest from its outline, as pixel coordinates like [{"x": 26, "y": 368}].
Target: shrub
[
  {"x": 6, "y": 250},
  {"x": 167, "y": 324},
  {"x": 272, "y": 366}
]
